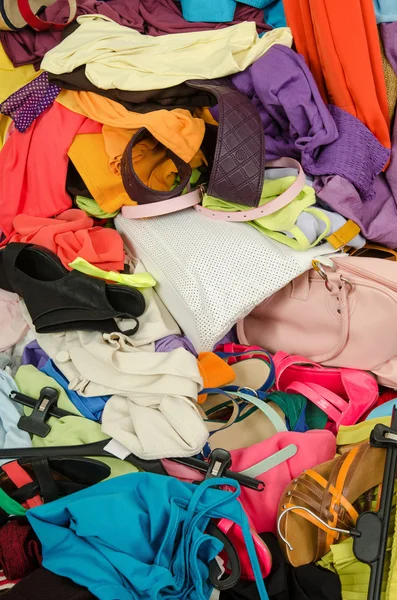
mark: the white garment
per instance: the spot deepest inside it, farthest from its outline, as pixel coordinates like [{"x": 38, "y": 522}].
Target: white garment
[{"x": 119, "y": 57}]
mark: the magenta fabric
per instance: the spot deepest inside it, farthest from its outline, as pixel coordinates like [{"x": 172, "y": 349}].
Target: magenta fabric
[
  {"x": 313, "y": 448},
  {"x": 34, "y": 166},
  {"x": 30, "y": 101},
  {"x": 155, "y": 17},
  {"x": 298, "y": 124}
]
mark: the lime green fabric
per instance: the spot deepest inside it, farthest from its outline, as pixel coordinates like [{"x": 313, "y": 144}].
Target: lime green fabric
[
  {"x": 10, "y": 506},
  {"x": 138, "y": 280},
  {"x": 92, "y": 208},
  {"x": 353, "y": 574},
  {"x": 355, "y": 434},
  {"x": 278, "y": 223},
  {"x": 67, "y": 431}
]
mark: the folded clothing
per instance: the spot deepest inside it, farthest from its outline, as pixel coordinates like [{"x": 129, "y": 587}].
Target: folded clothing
[{"x": 70, "y": 235}]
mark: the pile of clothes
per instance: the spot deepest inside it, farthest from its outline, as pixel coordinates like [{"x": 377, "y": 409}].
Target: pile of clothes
[{"x": 198, "y": 224}]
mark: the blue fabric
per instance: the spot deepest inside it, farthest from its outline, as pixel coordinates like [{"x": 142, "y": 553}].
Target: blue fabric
[
  {"x": 140, "y": 536},
  {"x": 10, "y": 413},
  {"x": 274, "y": 13},
  {"x": 384, "y": 410},
  {"x": 91, "y": 407},
  {"x": 208, "y": 11},
  {"x": 385, "y": 11}
]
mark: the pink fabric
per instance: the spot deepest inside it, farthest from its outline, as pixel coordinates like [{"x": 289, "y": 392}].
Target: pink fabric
[
  {"x": 70, "y": 235},
  {"x": 13, "y": 326},
  {"x": 313, "y": 448},
  {"x": 33, "y": 166},
  {"x": 343, "y": 394}
]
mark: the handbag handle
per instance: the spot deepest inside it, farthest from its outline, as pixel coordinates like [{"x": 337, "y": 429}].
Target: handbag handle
[{"x": 38, "y": 24}]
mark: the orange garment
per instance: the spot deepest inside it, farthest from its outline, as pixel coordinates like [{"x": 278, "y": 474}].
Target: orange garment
[
  {"x": 103, "y": 178},
  {"x": 70, "y": 235},
  {"x": 339, "y": 41},
  {"x": 176, "y": 129},
  {"x": 214, "y": 371},
  {"x": 88, "y": 155}
]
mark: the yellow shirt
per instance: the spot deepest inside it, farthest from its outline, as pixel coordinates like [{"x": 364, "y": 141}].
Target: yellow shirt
[{"x": 119, "y": 57}]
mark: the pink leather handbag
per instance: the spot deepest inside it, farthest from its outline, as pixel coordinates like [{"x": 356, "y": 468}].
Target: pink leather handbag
[{"x": 342, "y": 313}]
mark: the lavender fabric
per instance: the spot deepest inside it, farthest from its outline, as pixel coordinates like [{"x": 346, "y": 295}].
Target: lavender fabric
[
  {"x": 30, "y": 101},
  {"x": 155, "y": 17},
  {"x": 34, "y": 355},
  {"x": 388, "y": 32},
  {"x": 377, "y": 217},
  {"x": 171, "y": 342},
  {"x": 298, "y": 124}
]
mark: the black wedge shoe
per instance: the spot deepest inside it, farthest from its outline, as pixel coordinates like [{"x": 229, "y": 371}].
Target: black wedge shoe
[{"x": 62, "y": 300}]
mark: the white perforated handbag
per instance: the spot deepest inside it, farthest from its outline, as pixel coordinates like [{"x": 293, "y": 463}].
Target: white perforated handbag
[{"x": 210, "y": 273}]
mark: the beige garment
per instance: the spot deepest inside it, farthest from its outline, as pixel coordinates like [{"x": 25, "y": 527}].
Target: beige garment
[{"x": 119, "y": 57}]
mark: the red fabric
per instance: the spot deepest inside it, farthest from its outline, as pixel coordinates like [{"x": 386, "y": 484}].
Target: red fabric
[
  {"x": 20, "y": 550},
  {"x": 33, "y": 166},
  {"x": 70, "y": 235},
  {"x": 383, "y": 397},
  {"x": 19, "y": 478}
]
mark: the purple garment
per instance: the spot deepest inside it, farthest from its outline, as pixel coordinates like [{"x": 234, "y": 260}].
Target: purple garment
[
  {"x": 377, "y": 218},
  {"x": 34, "y": 355},
  {"x": 30, "y": 101},
  {"x": 297, "y": 123},
  {"x": 28, "y": 46},
  {"x": 172, "y": 342},
  {"x": 388, "y": 32}
]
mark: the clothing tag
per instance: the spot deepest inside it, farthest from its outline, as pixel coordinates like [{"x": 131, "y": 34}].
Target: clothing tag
[
  {"x": 215, "y": 594},
  {"x": 117, "y": 449}
]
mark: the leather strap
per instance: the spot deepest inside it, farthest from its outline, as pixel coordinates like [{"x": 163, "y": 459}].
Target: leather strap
[
  {"x": 140, "y": 192},
  {"x": 175, "y": 204},
  {"x": 38, "y": 24},
  {"x": 238, "y": 169},
  {"x": 20, "y": 477},
  {"x": 267, "y": 209},
  {"x": 276, "y": 459}
]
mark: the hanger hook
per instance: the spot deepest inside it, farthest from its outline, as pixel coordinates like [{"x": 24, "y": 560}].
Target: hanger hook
[{"x": 310, "y": 513}]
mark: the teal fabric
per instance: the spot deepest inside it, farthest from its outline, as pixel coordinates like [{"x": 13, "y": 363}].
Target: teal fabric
[
  {"x": 385, "y": 11},
  {"x": 208, "y": 11},
  {"x": 274, "y": 13},
  {"x": 140, "y": 537}
]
